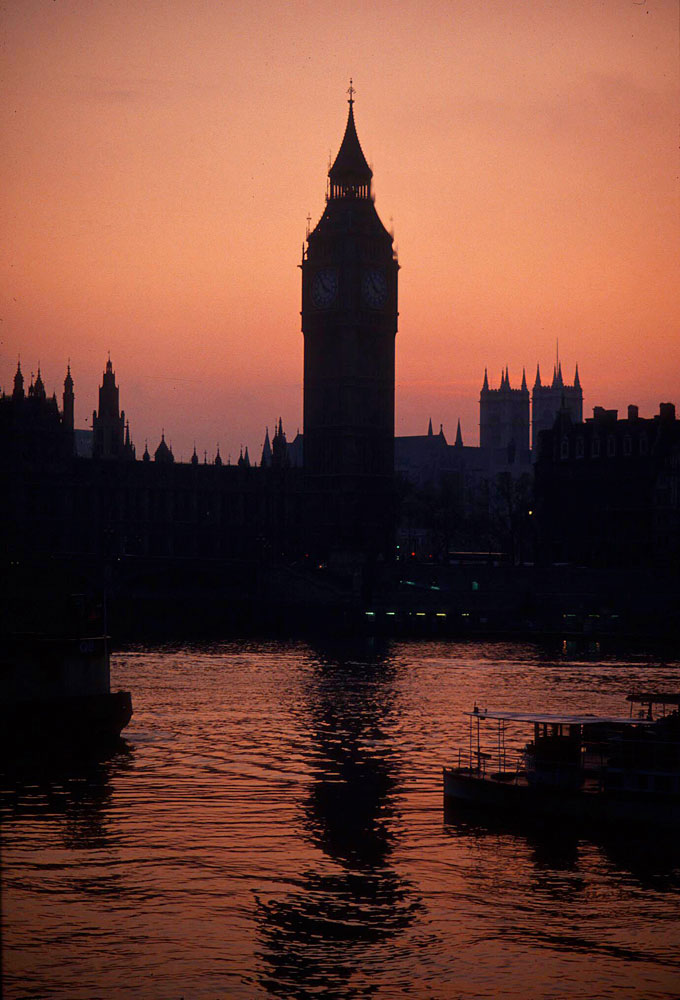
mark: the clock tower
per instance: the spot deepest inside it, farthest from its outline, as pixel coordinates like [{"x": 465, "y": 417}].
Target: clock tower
[{"x": 349, "y": 323}]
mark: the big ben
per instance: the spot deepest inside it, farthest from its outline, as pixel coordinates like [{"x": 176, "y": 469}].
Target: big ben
[{"x": 349, "y": 323}]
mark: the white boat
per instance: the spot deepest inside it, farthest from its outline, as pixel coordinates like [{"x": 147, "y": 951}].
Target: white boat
[{"x": 599, "y": 769}]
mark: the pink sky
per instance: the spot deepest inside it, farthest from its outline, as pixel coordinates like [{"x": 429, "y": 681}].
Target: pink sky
[{"x": 160, "y": 159}]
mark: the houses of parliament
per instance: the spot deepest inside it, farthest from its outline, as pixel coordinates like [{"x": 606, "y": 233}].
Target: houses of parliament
[{"x": 332, "y": 495}]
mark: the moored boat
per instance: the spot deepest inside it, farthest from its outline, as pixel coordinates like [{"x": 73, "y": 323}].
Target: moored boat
[
  {"x": 57, "y": 691},
  {"x": 583, "y": 767}
]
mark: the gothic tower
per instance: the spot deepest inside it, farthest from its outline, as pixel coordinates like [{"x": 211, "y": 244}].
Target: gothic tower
[
  {"x": 68, "y": 401},
  {"x": 108, "y": 425},
  {"x": 504, "y": 414},
  {"x": 349, "y": 323},
  {"x": 550, "y": 399}
]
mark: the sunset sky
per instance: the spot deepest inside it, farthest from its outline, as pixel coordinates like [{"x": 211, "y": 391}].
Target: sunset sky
[{"x": 160, "y": 160}]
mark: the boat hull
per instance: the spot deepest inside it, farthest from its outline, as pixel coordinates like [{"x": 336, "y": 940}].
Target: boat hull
[
  {"x": 520, "y": 798},
  {"x": 66, "y": 721}
]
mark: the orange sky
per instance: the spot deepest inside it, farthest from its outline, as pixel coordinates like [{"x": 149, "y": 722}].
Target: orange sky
[{"x": 160, "y": 159}]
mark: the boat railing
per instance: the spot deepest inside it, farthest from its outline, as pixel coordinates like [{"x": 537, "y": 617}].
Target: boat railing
[
  {"x": 509, "y": 765},
  {"x": 513, "y": 766}
]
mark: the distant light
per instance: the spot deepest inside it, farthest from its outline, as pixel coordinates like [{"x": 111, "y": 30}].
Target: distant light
[
  {"x": 420, "y": 614},
  {"x": 371, "y": 614},
  {"x": 441, "y": 614},
  {"x": 465, "y": 614},
  {"x": 390, "y": 612}
]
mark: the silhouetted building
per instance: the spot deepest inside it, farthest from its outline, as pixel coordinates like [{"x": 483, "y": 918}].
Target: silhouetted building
[
  {"x": 482, "y": 494},
  {"x": 163, "y": 452},
  {"x": 108, "y": 507},
  {"x": 111, "y": 438},
  {"x": 548, "y": 400},
  {"x": 608, "y": 490},
  {"x": 504, "y": 415},
  {"x": 349, "y": 322},
  {"x": 33, "y": 431},
  {"x": 68, "y": 399}
]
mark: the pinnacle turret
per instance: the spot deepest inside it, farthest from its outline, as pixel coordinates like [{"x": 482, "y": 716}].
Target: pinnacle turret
[
  {"x": 18, "y": 383},
  {"x": 266, "y": 459},
  {"x": 163, "y": 453},
  {"x": 39, "y": 388}
]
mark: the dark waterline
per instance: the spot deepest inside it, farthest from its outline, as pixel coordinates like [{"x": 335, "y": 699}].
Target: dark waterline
[{"x": 272, "y": 826}]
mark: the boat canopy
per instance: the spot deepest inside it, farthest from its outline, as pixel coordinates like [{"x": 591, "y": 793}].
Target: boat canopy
[
  {"x": 654, "y": 698},
  {"x": 564, "y": 720}
]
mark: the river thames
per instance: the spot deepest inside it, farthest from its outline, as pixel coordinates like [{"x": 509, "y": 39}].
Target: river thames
[{"x": 272, "y": 826}]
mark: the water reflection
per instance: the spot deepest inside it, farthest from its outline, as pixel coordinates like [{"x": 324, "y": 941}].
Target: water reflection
[
  {"x": 315, "y": 938},
  {"x": 75, "y": 789},
  {"x": 651, "y": 857}
]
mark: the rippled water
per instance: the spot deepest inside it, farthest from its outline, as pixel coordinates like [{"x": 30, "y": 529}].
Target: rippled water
[{"x": 273, "y": 826}]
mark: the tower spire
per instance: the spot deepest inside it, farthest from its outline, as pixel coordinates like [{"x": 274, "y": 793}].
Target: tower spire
[
  {"x": 18, "y": 383},
  {"x": 350, "y": 176}
]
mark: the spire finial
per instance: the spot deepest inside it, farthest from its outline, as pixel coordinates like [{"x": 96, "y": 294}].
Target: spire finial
[{"x": 351, "y": 91}]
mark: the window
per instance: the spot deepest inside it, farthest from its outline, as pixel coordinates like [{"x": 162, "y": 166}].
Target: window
[
  {"x": 611, "y": 446},
  {"x": 627, "y": 446},
  {"x": 595, "y": 447},
  {"x": 564, "y": 449},
  {"x": 579, "y": 447},
  {"x": 644, "y": 444}
]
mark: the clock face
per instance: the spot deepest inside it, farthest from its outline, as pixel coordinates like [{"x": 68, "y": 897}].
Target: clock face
[
  {"x": 374, "y": 288},
  {"x": 324, "y": 287}
]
